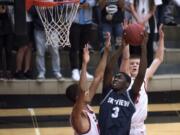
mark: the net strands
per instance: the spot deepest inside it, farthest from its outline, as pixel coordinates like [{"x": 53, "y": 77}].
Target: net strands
[{"x": 57, "y": 21}]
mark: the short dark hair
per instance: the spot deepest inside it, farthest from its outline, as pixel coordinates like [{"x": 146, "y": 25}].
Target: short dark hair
[
  {"x": 127, "y": 77},
  {"x": 72, "y": 92},
  {"x": 135, "y": 56}
]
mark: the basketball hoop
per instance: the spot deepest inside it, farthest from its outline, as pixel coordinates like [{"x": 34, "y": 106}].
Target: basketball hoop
[{"x": 57, "y": 17}]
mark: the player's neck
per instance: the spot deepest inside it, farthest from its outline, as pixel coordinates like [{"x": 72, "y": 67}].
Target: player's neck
[{"x": 121, "y": 91}]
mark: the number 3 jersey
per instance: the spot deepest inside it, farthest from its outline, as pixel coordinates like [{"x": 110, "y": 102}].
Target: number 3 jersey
[{"x": 115, "y": 113}]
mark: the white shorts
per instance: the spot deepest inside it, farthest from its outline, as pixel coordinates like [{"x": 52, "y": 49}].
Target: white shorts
[{"x": 138, "y": 130}]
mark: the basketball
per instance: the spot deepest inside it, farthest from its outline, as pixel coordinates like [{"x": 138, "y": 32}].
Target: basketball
[{"x": 133, "y": 34}]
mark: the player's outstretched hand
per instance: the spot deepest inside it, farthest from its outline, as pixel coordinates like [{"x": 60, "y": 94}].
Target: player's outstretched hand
[
  {"x": 86, "y": 56},
  {"x": 108, "y": 41},
  {"x": 125, "y": 24}
]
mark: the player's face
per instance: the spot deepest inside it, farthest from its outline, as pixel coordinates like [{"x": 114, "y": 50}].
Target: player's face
[
  {"x": 134, "y": 66},
  {"x": 119, "y": 82}
]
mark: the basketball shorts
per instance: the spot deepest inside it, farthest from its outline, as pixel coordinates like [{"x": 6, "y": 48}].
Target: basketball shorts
[{"x": 138, "y": 129}]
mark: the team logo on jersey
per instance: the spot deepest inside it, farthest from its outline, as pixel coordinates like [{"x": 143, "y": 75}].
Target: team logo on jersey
[{"x": 119, "y": 102}]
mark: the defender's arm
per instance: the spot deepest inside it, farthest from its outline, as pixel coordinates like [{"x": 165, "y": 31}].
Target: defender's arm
[{"x": 142, "y": 69}]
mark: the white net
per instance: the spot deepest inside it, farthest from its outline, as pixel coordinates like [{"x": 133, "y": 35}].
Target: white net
[{"x": 57, "y": 21}]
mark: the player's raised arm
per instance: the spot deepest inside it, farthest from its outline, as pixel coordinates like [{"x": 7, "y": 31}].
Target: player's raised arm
[
  {"x": 159, "y": 56},
  {"x": 79, "y": 118},
  {"x": 124, "y": 67},
  {"x": 110, "y": 67},
  {"x": 83, "y": 77},
  {"x": 142, "y": 69},
  {"x": 99, "y": 72}
]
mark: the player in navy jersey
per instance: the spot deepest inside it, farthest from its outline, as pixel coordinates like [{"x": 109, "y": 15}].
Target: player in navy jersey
[
  {"x": 83, "y": 119},
  {"x": 117, "y": 106}
]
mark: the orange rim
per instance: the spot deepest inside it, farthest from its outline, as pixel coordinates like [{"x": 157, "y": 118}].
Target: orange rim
[
  {"x": 42, "y": 3},
  {"x": 29, "y": 4}
]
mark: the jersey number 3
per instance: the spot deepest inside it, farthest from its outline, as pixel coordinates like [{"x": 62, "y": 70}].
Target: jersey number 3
[{"x": 115, "y": 112}]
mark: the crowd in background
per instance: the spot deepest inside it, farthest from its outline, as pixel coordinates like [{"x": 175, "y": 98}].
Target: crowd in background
[{"x": 93, "y": 19}]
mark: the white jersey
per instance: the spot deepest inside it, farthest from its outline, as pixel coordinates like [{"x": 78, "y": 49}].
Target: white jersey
[
  {"x": 94, "y": 130},
  {"x": 141, "y": 108}
]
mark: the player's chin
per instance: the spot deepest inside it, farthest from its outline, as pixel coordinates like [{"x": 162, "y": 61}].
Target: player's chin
[
  {"x": 117, "y": 87},
  {"x": 134, "y": 73}
]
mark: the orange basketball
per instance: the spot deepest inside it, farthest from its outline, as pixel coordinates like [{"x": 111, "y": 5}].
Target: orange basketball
[{"x": 133, "y": 34}]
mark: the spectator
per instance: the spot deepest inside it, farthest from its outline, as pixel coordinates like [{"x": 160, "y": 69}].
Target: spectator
[
  {"x": 40, "y": 41},
  {"x": 6, "y": 42},
  {"x": 127, "y": 14},
  {"x": 168, "y": 12},
  {"x": 112, "y": 15},
  {"x": 80, "y": 34},
  {"x": 24, "y": 45},
  {"x": 143, "y": 12}
]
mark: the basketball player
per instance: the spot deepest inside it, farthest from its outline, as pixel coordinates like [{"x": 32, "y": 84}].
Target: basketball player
[
  {"x": 117, "y": 107},
  {"x": 83, "y": 119},
  {"x": 131, "y": 67}
]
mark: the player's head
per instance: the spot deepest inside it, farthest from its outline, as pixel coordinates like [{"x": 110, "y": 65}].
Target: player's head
[
  {"x": 121, "y": 82},
  {"x": 134, "y": 65},
  {"x": 73, "y": 91}
]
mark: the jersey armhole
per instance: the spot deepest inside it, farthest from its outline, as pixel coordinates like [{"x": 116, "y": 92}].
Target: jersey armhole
[
  {"x": 131, "y": 98},
  {"x": 81, "y": 133}
]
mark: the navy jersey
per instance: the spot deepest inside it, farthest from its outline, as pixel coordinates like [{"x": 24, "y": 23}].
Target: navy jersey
[{"x": 115, "y": 114}]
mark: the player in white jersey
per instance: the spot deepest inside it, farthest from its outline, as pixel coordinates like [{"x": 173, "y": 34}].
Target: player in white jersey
[
  {"x": 93, "y": 123},
  {"x": 141, "y": 105},
  {"x": 131, "y": 66},
  {"x": 83, "y": 119}
]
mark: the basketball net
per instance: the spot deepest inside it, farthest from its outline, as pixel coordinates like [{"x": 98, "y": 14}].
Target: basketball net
[{"x": 57, "y": 18}]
